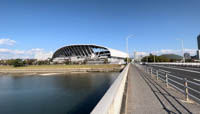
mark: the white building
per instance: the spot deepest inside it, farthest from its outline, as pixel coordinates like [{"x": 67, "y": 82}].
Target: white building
[
  {"x": 137, "y": 56},
  {"x": 198, "y": 54}
]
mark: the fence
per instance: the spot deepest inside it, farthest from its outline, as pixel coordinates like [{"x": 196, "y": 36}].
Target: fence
[
  {"x": 183, "y": 85},
  {"x": 112, "y": 100},
  {"x": 178, "y": 64}
]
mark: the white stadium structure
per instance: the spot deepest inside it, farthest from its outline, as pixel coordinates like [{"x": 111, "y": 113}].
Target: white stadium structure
[{"x": 92, "y": 54}]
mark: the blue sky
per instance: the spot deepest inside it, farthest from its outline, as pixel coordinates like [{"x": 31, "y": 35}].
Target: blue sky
[{"x": 45, "y": 25}]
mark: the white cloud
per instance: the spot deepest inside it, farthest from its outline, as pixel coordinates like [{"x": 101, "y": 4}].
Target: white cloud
[
  {"x": 7, "y": 41},
  {"x": 142, "y": 54},
  {"x": 43, "y": 55},
  {"x": 179, "y": 52},
  {"x": 191, "y": 51},
  {"x": 36, "y": 53}
]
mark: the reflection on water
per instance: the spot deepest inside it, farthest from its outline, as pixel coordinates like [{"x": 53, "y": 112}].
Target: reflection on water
[{"x": 60, "y": 94}]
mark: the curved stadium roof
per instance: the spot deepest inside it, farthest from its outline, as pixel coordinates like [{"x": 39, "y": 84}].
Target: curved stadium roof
[{"x": 86, "y": 50}]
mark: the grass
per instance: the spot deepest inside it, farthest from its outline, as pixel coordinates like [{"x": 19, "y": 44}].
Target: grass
[{"x": 60, "y": 66}]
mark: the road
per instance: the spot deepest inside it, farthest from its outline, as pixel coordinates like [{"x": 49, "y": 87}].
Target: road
[{"x": 192, "y": 74}]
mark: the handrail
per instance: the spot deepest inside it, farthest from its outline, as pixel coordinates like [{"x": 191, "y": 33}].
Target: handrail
[
  {"x": 185, "y": 85},
  {"x": 176, "y": 82},
  {"x": 164, "y": 71},
  {"x": 111, "y": 101},
  {"x": 176, "y": 88},
  {"x": 178, "y": 64},
  {"x": 175, "y": 77},
  {"x": 193, "y": 83},
  {"x": 161, "y": 76},
  {"x": 194, "y": 90}
]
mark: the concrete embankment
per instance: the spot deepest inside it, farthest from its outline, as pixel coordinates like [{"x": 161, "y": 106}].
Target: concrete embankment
[{"x": 110, "y": 68}]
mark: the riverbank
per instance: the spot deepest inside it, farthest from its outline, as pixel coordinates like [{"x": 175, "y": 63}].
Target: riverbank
[{"x": 61, "y": 68}]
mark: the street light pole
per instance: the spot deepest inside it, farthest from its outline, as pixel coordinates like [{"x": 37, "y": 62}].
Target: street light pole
[
  {"x": 182, "y": 45},
  {"x": 127, "y": 46}
]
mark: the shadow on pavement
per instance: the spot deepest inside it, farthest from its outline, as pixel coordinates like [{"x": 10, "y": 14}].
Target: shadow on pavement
[{"x": 158, "y": 92}]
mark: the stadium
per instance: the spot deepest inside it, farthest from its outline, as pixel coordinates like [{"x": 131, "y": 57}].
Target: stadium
[{"x": 89, "y": 54}]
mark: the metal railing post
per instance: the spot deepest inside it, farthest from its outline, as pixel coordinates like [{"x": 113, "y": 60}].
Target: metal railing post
[
  {"x": 146, "y": 69},
  {"x": 186, "y": 89},
  {"x": 166, "y": 79},
  {"x": 157, "y": 75}
]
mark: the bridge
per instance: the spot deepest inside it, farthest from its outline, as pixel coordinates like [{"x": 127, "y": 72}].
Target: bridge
[{"x": 153, "y": 89}]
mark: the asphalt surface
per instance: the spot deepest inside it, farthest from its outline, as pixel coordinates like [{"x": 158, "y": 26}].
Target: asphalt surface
[{"x": 192, "y": 74}]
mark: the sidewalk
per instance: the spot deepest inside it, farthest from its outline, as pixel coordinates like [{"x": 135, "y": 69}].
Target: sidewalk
[{"x": 146, "y": 96}]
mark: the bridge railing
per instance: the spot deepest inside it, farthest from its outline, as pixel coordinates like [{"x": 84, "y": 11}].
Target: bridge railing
[
  {"x": 183, "y": 85},
  {"x": 178, "y": 64},
  {"x": 112, "y": 100}
]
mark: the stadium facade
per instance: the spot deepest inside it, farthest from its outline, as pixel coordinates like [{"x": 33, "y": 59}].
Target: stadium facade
[{"x": 90, "y": 54}]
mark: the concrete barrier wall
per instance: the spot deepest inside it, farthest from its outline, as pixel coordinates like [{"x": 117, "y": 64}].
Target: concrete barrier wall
[
  {"x": 179, "y": 64},
  {"x": 112, "y": 100}
]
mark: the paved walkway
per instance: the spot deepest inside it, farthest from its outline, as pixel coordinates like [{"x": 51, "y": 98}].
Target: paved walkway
[{"x": 147, "y": 96}]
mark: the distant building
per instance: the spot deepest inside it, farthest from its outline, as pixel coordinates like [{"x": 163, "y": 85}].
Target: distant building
[
  {"x": 198, "y": 51},
  {"x": 198, "y": 54},
  {"x": 137, "y": 56},
  {"x": 198, "y": 40},
  {"x": 187, "y": 56},
  {"x": 194, "y": 57}
]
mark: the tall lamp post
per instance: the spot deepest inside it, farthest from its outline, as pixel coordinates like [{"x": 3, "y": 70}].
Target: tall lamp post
[
  {"x": 182, "y": 45},
  {"x": 127, "y": 38},
  {"x": 155, "y": 54}
]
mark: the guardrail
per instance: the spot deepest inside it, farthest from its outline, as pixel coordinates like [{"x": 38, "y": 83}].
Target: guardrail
[
  {"x": 178, "y": 64},
  {"x": 112, "y": 100},
  {"x": 181, "y": 84}
]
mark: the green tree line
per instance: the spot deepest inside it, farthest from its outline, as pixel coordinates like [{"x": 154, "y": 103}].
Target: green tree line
[
  {"x": 21, "y": 62},
  {"x": 152, "y": 58}
]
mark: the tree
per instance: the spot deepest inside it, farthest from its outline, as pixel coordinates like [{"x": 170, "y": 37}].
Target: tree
[
  {"x": 18, "y": 63},
  {"x": 10, "y": 62},
  {"x": 106, "y": 61},
  {"x": 129, "y": 60},
  {"x": 157, "y": 59},
  {"x": 43, "y": 62},
  {"x": 30, "y": 61}
]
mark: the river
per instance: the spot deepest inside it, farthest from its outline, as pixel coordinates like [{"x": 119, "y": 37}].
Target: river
[{"x": 55, "y": 94}]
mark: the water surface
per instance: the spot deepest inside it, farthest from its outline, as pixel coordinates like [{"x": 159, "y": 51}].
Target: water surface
[{"x": 58, "y": 94}]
